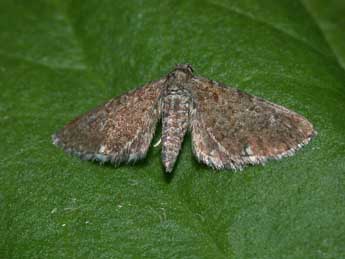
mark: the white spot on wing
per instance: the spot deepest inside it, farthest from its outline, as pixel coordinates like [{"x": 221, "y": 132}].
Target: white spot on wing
[
  {"x": 158, "y": 142},
  {"x": 101, "y": 149},
  {"x": 249, "y": 151}
]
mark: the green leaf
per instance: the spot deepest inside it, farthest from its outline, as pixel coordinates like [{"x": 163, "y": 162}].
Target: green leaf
[
  {"x": 329, "y": 15},
  {"x": 59, "y": 59}
]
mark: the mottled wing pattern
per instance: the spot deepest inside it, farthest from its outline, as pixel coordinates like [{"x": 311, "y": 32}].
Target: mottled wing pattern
[
  {"x": 231, "y": 129},
  {"x": 119, "y": 131}
]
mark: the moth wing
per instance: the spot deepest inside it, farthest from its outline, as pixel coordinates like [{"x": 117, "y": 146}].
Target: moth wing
[
  {"x": 118, "y": 131},
  {"x": 231, "y": 129}
]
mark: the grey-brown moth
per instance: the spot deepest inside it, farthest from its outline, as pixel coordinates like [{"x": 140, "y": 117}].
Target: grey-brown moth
[{"x": 229, "y": 128}]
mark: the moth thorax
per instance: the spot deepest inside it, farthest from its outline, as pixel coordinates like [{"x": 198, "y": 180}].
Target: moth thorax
[{"x": 180, "y": 75}]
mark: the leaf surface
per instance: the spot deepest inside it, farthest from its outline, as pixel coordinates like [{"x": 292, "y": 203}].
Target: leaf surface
[{"x": 59, "y": 59}]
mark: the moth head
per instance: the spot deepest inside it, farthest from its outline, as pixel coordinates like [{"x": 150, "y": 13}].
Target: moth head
[{"x": 182, "y": 72}]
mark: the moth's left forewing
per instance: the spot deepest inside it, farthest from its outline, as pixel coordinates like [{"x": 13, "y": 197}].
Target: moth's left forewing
[
  {"x": 118, "y": 131},
  {"x": 231, "y": 128}
]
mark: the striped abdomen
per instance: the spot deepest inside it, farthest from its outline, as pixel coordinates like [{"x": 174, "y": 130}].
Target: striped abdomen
[{"x": 175, "y": 122}]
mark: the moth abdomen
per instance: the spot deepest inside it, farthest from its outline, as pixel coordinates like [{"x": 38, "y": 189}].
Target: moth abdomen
[{"x": 175, "y": 122}]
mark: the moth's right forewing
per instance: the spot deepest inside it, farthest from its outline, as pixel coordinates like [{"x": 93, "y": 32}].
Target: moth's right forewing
[
  {"x": 119, "y": 131},
  {"x": 231, "y": 128}
]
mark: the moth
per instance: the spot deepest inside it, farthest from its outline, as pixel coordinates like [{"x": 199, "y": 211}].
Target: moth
[{"x": 229, "y": 128}]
